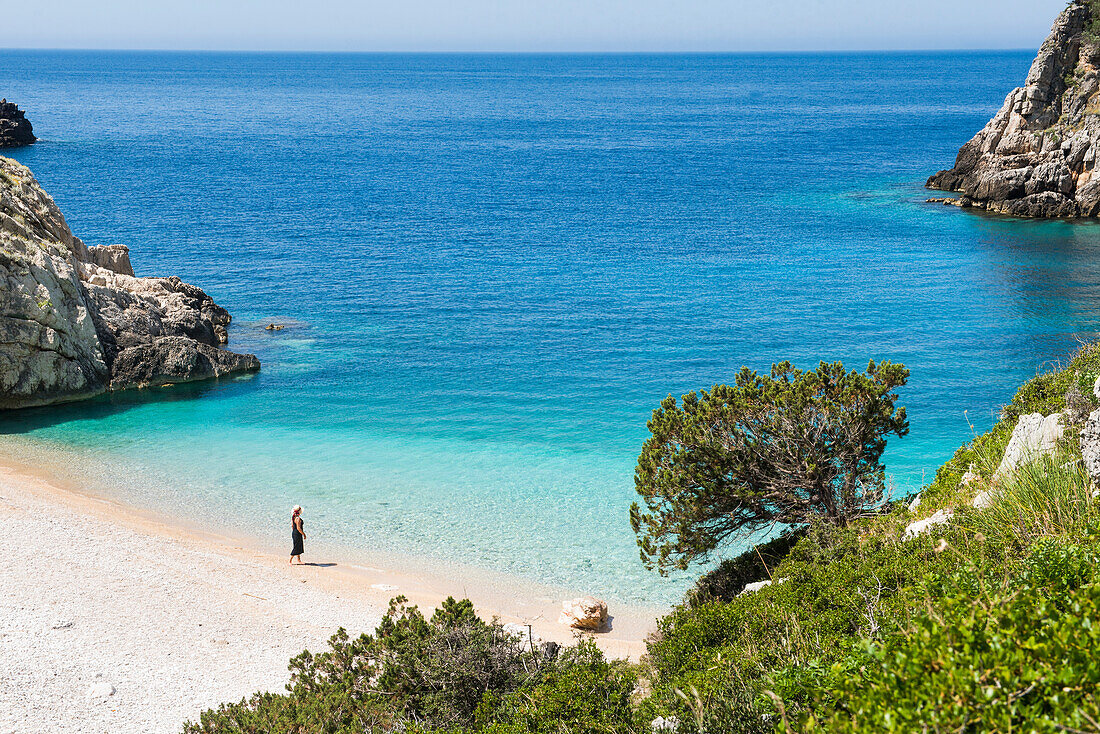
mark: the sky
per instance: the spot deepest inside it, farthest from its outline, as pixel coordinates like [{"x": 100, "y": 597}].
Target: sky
[{"x": 528, "y": 25}]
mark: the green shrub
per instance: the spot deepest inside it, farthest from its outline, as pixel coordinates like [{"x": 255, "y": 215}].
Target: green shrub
[
  {"x": 716, "y": 665},
  {"x": 433, "y": 672},
  {"x": 842, "y": 585},
  {"x": 731, "y": 575},
  {"x": 580, "y": 693},
  {"x": 1019, "y": 655}
]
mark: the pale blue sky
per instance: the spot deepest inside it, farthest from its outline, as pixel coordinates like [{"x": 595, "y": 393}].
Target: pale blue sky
[{"x": 527, "y": 25}]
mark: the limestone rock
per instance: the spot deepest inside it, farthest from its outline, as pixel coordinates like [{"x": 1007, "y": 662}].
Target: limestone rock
[
  {"x": 15, "y": 128},
  {"x": 115, "y": 258},
  {"x": 758, "y": 585},
  {"x": 969, "y": 477},
  {"x": 1033, "y": 436},
  {"x": 940, "y": 517},
  {"x": 982, "y": 499},
  {"x": 663, "y": 724},
  {"x": 175, "y": 359},
  {"x": 584, "y": 613},
  {"x": 1090, "y": 446},
  {"x": 75, "y": 322},
  {"x": 1035, "y": 157},
  {"x": 915, "y": 504}
]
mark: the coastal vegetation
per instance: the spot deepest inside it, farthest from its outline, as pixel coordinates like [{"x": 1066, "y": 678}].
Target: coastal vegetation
[
  {"x": 783, "y": 450},
  {"x": 988, "y": 621},
  {"x": 451, "y": 672}
]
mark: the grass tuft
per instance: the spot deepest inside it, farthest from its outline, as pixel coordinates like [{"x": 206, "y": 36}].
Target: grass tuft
[{"x": 1048, "y": 497}]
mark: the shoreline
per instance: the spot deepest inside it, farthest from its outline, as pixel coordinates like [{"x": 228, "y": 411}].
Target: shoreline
[{"x": 102, "y": 588}]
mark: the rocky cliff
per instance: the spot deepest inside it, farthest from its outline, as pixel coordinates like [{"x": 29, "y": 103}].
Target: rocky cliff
[
  {"x": 1036, "y": 157},
  {"x": 15, "y": 128},
  {"x": 74, "y": 320}
]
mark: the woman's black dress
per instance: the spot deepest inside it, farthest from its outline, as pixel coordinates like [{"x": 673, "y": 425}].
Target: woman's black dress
[{"x": 297, "y": 538}]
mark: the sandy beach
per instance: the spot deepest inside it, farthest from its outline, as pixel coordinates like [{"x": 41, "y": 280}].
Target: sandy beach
[{"x": 100, "y": 597}]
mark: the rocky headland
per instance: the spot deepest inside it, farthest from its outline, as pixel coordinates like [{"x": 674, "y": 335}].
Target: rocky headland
[
  {"x": 74, "y": 320},
  {"x": 15, "y": 128},
  {"x": 1036, "y": 157}
]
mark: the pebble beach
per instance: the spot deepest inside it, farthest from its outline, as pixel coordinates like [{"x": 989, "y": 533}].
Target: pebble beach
[{"x": 115, "y": 621}]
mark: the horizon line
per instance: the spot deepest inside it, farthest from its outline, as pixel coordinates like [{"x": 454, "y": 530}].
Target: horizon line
[{"x": 502, "y": 52}]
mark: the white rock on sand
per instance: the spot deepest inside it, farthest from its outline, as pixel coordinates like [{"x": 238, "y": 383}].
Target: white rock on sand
[
  {"x": 100, "y": 691},
  {"x": 584, "y": 613}
]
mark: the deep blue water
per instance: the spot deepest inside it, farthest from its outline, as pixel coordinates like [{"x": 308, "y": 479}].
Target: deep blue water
[{"x": 494, "y": 267}]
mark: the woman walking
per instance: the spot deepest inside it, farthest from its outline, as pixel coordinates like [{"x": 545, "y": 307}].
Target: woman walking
[{"x": 297, "y": 534}]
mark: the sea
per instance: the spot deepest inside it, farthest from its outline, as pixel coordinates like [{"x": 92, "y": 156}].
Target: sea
[{"x": 490, "y": 269}]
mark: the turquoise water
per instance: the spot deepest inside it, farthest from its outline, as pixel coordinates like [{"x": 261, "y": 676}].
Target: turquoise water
[{"x": 492, "y": 268}]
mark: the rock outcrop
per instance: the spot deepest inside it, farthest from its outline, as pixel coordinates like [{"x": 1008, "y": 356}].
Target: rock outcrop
[
  {"x": 1089, "y": 438},
  {"x": 940, "y": 517},
  {"x": 758, "y": 585},
  {"x": 15, "y": 128},
  {"x": 1036, "y": 157},
  {"x": 74, "y": 320},
  {"x": 1034, "y": 436}
]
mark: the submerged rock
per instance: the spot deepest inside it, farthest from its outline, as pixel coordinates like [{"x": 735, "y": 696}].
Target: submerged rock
[
  {"x": 75, "y": 322},
  {"x": 15, "y": 128},
  {"x": 1036, "y": 157}
]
